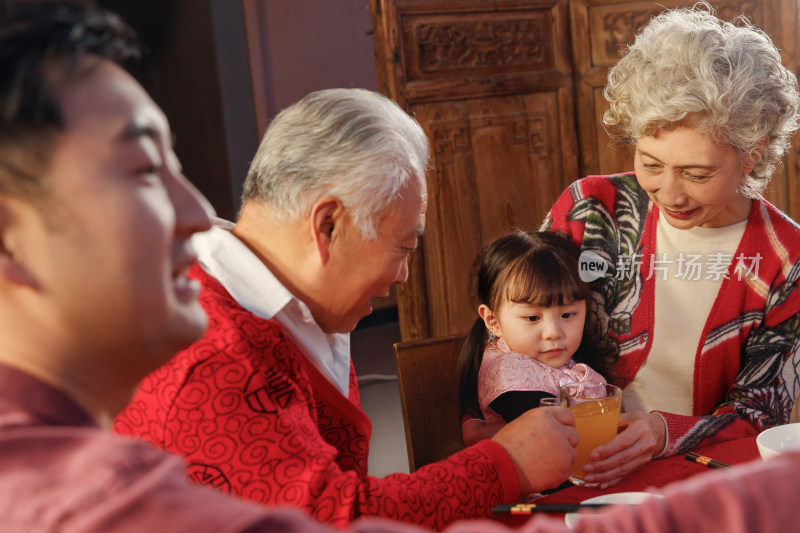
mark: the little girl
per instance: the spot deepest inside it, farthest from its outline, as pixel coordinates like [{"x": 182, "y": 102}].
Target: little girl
[{"x": 528, "y": 338}]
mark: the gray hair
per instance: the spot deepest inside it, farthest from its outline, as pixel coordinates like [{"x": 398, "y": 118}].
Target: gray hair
[
  {"x": 724, "y": 78},
  {"x": 353, "y": 144}
]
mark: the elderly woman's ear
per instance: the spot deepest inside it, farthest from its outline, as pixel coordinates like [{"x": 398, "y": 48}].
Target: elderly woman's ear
[{"x": 751, "y": 159}]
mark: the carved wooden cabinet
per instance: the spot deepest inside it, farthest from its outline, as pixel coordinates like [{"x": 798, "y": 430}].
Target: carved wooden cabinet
[{"x": 510, "y": 95}]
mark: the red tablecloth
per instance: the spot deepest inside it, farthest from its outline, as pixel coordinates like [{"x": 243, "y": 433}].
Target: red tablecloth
[
  {"x": 655, "y": 474},
  {"x": 660, "y": 472}
]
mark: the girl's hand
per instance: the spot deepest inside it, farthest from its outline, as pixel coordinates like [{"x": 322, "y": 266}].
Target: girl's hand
[
  {"x": 475, "y": 429},
  {"x": 642, "y": 436}
]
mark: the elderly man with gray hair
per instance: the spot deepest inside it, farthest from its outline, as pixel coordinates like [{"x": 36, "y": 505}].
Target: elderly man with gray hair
[{"x": 266, "y": 405}]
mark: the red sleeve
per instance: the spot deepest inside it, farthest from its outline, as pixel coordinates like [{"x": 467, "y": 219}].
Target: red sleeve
[
  {"x": 562, "y": 216},
  {"x": 253, "y": 418},
  {"x": 557, "y": 219}
]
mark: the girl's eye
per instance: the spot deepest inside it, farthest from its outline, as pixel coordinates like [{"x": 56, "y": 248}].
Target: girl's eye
[
  {"x": 650, "y": 166},
  {"x": 532, "y": 318},
  {"x": 568, "y": 314}
]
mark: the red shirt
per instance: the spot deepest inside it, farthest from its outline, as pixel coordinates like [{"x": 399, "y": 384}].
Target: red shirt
[{"x": 60, "y": 472}]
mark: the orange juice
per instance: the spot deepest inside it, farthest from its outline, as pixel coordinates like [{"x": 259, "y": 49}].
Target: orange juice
[{"x": 596, "y": 422}]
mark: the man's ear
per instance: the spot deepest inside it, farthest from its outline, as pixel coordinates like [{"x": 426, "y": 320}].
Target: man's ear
[
  {"x": 326, "y": 216},
  {"x": 489, "y": 319},
  {"x": 12, "y": 270}
]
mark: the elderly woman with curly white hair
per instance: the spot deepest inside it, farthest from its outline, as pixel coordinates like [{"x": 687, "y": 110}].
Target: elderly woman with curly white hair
[
  {"x": 698, "y": 311},
  {"x": 699, "y": 308}
]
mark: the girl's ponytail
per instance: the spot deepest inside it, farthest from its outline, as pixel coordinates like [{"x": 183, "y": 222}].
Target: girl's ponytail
[{"x": 469, "y": 363}]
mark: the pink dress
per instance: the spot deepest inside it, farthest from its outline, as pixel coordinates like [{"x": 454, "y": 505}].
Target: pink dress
[{"x": 504, "y": 371}]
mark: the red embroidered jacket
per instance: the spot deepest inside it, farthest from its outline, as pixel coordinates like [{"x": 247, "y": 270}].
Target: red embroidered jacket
[{"x": 254, "y": 418}]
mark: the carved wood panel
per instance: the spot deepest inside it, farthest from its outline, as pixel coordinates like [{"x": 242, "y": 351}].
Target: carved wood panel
[
  {"x": 493, "y": 171},
  {"x": 510, "y": 92},
  {"x": 491, "y": 84}
]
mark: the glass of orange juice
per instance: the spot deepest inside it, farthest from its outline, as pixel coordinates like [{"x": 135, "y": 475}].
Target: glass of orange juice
[
  {"x": 548, "y": 401},
  {"x": 596, "y": 409}
]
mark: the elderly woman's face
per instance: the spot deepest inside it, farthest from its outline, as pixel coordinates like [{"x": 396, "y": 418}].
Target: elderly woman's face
[{"x": 693, "y": 180}]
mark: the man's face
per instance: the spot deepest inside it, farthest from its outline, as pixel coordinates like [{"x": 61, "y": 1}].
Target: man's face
[
  {"x": 362, "y": 269},
  {"x": 112, "y": 251}
]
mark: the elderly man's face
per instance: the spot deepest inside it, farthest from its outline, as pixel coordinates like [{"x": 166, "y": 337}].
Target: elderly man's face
[
  {"x": 112, "y": 254},
  {"x": 365, "y": 269}
]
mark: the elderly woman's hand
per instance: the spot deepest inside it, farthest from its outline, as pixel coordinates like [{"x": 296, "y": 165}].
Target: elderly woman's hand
[{"x": 643, "y": 435}]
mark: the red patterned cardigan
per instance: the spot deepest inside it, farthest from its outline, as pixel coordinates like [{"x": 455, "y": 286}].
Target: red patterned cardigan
[
  {"x": 254, "y": 418},
  {"x": 747, "y": 365}
]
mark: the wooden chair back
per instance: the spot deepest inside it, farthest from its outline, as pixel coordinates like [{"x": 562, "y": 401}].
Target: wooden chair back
[{"x": 427, "y": 375}]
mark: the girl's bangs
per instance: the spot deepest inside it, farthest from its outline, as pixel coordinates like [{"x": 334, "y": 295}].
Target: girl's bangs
[{"x": 544, "y": 281}]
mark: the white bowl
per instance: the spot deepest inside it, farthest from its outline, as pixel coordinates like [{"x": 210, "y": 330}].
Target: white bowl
[
  {"x": 616, "y": 497},
  {"x": 778, "y": 440}
]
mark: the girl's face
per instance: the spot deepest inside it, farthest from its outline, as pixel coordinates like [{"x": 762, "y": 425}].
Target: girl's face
[{"x": 550, "y": 335}]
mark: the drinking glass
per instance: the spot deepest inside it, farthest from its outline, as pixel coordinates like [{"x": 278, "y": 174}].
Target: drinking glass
[
  {"x": 596, "y": 409},
  {"x": 549, "y": 401}
]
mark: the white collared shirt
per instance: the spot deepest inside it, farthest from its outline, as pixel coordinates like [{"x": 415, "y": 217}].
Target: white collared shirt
[{"x": 228, "y": 260}]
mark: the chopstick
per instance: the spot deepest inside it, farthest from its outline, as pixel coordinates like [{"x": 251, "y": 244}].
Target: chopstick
[
  {"x": 530, "y": 508},
  {"x": 706, "y": 461}
]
